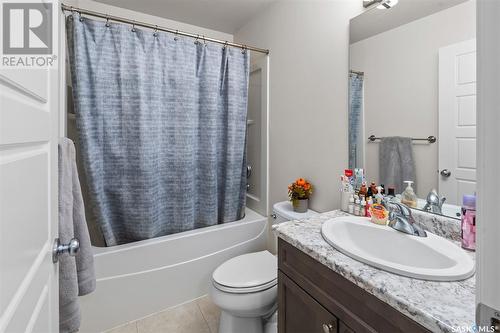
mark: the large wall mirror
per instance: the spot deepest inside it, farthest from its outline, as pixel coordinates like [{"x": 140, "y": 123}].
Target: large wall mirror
[{"x": 412, "y": 108}]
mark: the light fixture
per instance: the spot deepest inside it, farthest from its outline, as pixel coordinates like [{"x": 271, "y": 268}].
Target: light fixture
[
  {"x": 382, "y": 4},
  {"x": 387, "y": 4}
]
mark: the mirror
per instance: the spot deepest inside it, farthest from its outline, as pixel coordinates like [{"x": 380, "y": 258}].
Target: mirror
[{"x": 412, "y": 100}]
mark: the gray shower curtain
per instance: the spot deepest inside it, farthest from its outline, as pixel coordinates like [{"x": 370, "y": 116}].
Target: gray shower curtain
[
  {"x": 162, "y": 128},
  {"x": 355, "y": 117}
]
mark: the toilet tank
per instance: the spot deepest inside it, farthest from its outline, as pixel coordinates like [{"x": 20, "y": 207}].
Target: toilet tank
[{"x": 282, "y": 212}]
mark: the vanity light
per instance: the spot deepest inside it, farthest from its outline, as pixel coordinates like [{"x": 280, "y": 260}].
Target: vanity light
[
  {"x": 383, "y": 4},
  {"x": 387, "y": 4}
]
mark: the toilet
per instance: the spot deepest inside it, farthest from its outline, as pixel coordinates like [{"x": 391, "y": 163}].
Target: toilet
[{"x": 245, "y": 287}]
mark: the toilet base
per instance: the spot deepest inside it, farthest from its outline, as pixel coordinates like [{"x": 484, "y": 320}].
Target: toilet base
[{"x": 231, "y": 324}]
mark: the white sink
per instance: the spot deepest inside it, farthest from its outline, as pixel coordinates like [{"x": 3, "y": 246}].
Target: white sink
[{"x": 429, "y": 258}]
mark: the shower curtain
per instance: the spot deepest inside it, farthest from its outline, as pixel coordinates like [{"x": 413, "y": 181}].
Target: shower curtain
[
  {"x": 355, "y": 116},
  {"x": 162, "y": 128}
]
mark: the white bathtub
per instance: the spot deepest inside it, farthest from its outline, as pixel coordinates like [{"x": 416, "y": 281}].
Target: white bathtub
[{"x": 138, "y": 279}]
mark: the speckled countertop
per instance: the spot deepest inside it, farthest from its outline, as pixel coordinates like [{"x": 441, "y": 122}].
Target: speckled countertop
[{"x": 439, "y": 306}]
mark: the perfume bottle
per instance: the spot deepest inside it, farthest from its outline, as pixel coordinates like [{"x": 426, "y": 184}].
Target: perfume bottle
[{"x": 469, "y": 222}]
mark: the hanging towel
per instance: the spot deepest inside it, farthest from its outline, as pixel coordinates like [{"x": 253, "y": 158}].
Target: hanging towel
[
  {"x": 76, "y": 274},
  {"x": 396, "y": 162}
]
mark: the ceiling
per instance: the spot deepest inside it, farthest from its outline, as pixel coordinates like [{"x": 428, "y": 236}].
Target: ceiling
[
  {"x": 222, "y": 15},
  {"x": 375, "y": 21}
]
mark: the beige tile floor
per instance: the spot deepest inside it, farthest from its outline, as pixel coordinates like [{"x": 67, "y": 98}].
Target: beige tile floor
[{"x": 198, "y": 316}]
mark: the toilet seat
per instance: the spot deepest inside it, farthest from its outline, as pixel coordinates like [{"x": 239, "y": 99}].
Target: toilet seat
[
  {"x": 247, "y": 273},
  {"x": 247, "y": 289}
]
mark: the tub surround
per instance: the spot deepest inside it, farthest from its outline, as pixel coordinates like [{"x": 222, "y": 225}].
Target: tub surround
[{"x": 438, "y": 306}]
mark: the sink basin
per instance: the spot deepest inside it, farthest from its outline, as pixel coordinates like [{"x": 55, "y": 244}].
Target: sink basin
[{"x": 429, "y": 258}]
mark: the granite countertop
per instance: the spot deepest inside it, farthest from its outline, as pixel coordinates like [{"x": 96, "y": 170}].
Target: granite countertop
[{"x": 438, "y": 306}]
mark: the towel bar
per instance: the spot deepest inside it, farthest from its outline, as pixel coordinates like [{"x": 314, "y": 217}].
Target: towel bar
[{"x": 430, "y": 139}]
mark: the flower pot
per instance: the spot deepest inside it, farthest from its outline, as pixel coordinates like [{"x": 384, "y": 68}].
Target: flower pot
[{"x": 300, "y": 205}]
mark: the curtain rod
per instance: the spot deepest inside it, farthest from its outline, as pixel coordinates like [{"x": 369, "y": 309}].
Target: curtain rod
[{"x": 160, "y": 28}]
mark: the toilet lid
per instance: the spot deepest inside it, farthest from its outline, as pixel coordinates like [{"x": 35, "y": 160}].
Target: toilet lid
[{"x": 247, "y": 271}]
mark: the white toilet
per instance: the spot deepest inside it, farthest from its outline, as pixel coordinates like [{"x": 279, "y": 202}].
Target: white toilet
[{"x": 245, "y": 287}]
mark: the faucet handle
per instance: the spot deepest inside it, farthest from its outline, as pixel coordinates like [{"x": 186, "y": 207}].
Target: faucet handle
[{"x": 403, "y": 209}]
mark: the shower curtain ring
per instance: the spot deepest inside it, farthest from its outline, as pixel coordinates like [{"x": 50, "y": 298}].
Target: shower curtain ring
[
  {"x": 133, "y": 26},
  {"x": 107, "y": 22},
  {"x": 155, "y": 32},
  {"x": 225, "y": 45},
  {"x": 196, "y": 40},
  {"x": 243, "y": 49},
  {"x": 175, "y": 36},
  {"x": 72, "y": 10},
  {"x": 204, "y": 41},
  {"x": 80, "y": 16}
]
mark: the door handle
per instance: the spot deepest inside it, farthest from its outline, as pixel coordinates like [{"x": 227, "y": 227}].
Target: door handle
[
  {"x": 58, "y": 249},
  {"x": 445, "y": 173},
  {"x": 328, "y": 328}
]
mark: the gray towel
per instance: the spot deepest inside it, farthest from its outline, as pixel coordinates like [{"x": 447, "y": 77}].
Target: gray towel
[
  {"x": 396, "y": 162},
  {"x": 76, "y": 274}
]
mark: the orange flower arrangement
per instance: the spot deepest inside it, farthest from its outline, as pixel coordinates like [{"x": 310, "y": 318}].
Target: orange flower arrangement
[{"x": 299, "y": 190}]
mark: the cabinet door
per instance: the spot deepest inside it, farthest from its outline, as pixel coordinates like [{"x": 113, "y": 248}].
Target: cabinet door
[
  {"x": 299, "y": 312},
  {"x": 343, "y": 328}
]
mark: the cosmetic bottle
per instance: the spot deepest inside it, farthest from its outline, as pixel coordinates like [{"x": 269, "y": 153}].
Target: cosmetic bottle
[
  {"x": 391, "y": 192},
  {"x": 469, "y": 222},
  {"x": 350, "y": 208},
  {"x": 363, "y": 190},
  {"x": 379, "y": 197},
  {"x": 362, "y": 211},
  {"x": 369, "y": 203},
  {"x": 382, "y": 189},
  {"x": 369, "y": 192},
  {"x": 357, "y": 207}
]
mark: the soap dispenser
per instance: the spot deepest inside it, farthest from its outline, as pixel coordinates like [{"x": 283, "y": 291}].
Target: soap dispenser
[{"x": 408, "y": 197}]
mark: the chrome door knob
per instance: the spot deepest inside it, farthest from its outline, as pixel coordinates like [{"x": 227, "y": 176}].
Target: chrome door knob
[
  {"x": 58, "y": 249},
  {"x": 328, "y": 328},
  {"x": 445, "y": 173}
]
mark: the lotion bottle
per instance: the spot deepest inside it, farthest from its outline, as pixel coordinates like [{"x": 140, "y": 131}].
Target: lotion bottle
[{"x": 408, "y": 197}]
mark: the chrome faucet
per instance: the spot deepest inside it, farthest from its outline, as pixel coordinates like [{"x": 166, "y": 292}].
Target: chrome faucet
[
  {"x": 434, "y": 203},
  {"x": 400, "y": 219}
]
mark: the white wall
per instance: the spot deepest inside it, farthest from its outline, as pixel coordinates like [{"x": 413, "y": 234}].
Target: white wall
[
  {"x": 308, "y": 42},
  {"x": 133, "y": 15},
  {"x": 401, "y": 84}
]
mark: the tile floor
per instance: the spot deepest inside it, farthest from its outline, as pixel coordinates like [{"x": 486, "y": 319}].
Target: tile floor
[{"x": 198, "y": 316}]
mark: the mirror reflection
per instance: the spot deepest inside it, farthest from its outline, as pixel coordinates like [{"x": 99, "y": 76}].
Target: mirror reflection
[{"x": 412, "y": 115}]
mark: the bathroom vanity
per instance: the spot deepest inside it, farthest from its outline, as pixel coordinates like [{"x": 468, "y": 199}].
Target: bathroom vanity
[
  {"x": 313, "y": 297},
  {"x": 323, "y": 290}
]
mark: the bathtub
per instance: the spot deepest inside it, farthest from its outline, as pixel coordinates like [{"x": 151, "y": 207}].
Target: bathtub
[{"x": 141, "y": 278}]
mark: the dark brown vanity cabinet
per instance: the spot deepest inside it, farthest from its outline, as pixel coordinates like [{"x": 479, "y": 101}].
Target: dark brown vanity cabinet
[{"x": 314, "y": 299}]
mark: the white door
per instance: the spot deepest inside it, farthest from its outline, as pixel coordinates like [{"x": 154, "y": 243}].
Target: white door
[
  {"x": 457, "y": 121},
  {"x": 257, "y": 135},
  {"x": 28, "y": 199}
]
